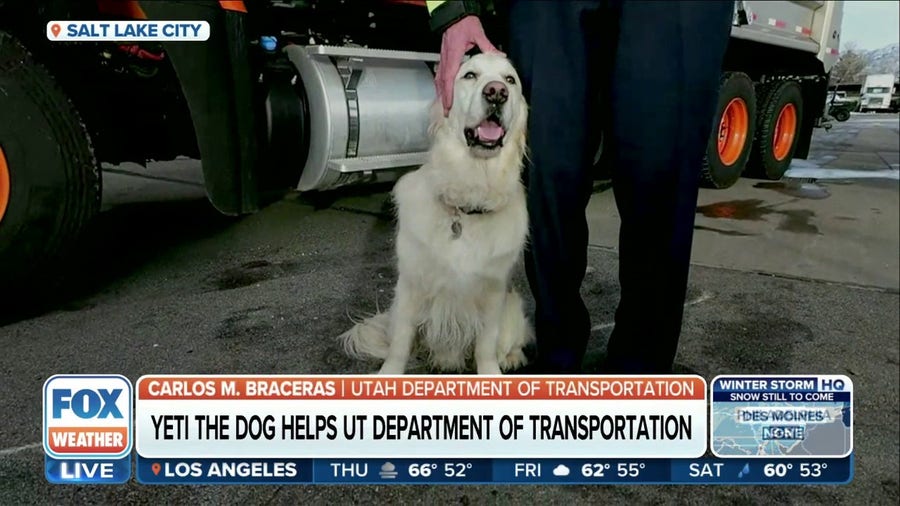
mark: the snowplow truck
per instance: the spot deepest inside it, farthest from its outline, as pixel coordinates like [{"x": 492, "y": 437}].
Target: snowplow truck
[{"x": 310, "y": 96}]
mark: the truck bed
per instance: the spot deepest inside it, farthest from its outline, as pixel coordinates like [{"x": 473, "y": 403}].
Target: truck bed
[{"x": 807, "y": 25}]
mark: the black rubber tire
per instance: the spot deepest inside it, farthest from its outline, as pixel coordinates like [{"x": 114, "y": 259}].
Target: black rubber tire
[
  {"x": 55, "y": 182},
  {"x": 714, "y": 172},
  {"x": 772, "y": 98},
  {"x": 841, "y": 115}
]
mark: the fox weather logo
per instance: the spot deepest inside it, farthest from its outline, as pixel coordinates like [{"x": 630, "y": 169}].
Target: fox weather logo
[{"x": 87, "y": 427}]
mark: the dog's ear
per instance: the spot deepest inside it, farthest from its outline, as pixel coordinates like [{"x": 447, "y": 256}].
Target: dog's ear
[
  {"x": 435, "y": 117},
  {"x": 520, "y": 139}
]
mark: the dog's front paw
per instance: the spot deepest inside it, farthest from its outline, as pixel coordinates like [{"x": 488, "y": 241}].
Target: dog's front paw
[
  {"x": 392, "y": 368},
  {"x": 513, "y": 360},
  {"x": 488, "y": 368}
]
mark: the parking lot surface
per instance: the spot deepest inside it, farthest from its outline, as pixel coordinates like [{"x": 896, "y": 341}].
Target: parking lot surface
[{"x": 796, "y": 276}]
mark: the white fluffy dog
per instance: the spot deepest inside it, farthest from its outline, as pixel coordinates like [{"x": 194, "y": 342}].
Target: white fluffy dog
[{"x": 462, "y": 225}]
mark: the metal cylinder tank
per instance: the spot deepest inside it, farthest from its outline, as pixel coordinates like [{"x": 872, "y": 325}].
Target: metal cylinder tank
[{"x": 368, "y": 111}]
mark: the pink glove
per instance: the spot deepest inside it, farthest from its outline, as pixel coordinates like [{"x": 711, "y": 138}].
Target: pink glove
[{"x": 458, "y": 38}]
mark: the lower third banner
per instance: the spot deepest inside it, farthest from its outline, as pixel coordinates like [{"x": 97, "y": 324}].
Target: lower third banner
[{"x": 439, "y": 417}]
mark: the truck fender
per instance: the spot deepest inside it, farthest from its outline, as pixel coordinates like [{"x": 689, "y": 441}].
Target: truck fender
[{"x": 217, "y": 84}]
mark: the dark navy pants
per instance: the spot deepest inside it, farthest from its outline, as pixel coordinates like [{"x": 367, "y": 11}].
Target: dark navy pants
[{"x": 645, "y": 74}]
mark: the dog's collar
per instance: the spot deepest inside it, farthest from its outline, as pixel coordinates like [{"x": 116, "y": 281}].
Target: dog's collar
[
  {"x": 473, "y": 210},
  {"x": 467, "y": 210},
  {"x": 456, "y": 213}
]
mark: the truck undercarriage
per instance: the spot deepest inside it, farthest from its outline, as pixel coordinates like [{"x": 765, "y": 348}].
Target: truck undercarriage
[
  {"x": 132, "y": 96},
  {"x": 311, "y": 95}
]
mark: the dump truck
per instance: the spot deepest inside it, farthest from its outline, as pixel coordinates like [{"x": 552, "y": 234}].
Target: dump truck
[
  {"x": 877, "y": 92},
  {"x": 310, "y": 96}
]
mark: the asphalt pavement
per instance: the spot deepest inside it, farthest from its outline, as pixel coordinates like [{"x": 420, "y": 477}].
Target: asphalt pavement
[{"x": 797, "y": 276}]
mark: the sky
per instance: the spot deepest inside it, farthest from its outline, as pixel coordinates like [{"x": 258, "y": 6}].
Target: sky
[{"x": 871, "y": 25}]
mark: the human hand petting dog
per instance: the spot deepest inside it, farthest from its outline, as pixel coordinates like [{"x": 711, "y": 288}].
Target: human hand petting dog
[{"x": 459, "y": 38}]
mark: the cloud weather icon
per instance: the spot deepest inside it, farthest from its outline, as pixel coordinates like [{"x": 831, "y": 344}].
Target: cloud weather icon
[
  {"x": 388, "y": 471},
  {"x": 560, "y": 470}
]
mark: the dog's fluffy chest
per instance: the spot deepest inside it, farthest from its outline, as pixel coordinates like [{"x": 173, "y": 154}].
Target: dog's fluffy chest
[
  {"x": 435, "y": 236},
  {"x": 478, "y": 242}
]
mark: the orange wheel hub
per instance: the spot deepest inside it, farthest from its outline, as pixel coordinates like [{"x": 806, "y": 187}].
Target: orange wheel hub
[
  {"x": 733, "y": 131},
  {"x": 785, "y": 130},
  {"x": 4, "y": 184}
]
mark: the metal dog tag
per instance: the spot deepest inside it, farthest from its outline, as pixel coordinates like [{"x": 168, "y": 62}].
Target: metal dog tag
[{"x": 456, "y": 227}]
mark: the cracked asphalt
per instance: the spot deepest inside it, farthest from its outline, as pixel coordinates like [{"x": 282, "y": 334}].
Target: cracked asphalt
[{"x": 797, "y": 276}]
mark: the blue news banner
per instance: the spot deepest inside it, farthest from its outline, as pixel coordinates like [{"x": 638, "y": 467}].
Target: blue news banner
[{"x": 703, "y": 471}]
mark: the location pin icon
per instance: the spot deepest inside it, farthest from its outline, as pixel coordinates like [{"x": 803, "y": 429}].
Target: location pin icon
[
  {"x": 54, "y": 28},
  {"x": 155, "y": 468}
]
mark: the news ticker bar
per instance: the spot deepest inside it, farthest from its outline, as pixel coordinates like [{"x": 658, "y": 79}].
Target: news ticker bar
[
  {"x": 702, "y": 471},
  {"x": 93, "y": 423}
]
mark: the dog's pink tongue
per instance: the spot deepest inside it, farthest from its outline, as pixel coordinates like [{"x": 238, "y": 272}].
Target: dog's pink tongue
[{"x": 489, "y": 131}]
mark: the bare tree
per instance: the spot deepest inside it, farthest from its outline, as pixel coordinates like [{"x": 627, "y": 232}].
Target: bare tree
[{"x": 850, "y": 68}]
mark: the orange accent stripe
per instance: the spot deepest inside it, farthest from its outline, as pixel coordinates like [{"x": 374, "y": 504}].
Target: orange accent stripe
[
  {"x": 233, "y": 5},
  {"x": 109, "y": 440},
  {"x": 4, "y": 184},
  {"x": 195, "y": 388}
]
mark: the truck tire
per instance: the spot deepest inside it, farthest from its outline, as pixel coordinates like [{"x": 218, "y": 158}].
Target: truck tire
[
  {"x": 49, "y": 178},
  {"x": 732, "y": 137},
  {"x": 841, "y": 115},
  {"x": 777, "y": 130}
]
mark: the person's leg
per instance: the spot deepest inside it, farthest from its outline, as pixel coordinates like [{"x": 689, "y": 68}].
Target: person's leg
[
  {"x": 663, "y": 92},
  {"x": 549, "y": 45}
]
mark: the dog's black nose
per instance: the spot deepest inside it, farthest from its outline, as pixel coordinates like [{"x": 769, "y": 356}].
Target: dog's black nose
[{"x": 495, "y": 92}]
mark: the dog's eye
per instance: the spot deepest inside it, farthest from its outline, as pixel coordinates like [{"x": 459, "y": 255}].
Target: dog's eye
[
  {"x": 511, "y": 79},
  {"x": 470, "y": 75}
]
